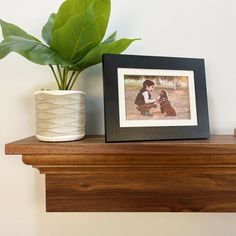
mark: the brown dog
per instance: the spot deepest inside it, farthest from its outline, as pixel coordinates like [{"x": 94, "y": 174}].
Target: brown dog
[{"x": 165, "y": 105}]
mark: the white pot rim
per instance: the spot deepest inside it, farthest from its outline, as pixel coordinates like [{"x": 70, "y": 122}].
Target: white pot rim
[{"x": 59, "y": 92}]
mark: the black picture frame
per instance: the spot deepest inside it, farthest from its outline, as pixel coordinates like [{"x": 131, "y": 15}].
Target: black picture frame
[{"x": 115, "y": 133}]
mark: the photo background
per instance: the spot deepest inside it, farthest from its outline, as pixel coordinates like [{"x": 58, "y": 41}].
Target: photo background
[{"x": 177, "y": 88}]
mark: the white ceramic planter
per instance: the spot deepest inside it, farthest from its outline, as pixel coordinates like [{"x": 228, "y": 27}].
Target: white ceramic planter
[{"x": 60, "y": 115}]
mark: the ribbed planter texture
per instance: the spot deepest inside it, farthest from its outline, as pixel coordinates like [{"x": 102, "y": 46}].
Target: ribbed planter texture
[{"x": 60, "y": 115}]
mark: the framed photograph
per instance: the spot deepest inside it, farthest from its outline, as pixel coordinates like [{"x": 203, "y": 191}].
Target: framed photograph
[{"x": 154, "y": 98}]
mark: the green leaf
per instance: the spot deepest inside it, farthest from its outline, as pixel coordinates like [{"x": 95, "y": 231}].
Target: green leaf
[
  {"x": 77, "y": 37},
  {"x": 102, "y": 10},
  {"x": 111, "y": 38},
  {"x": 47, "y": 29},
  {"x": 70, "y": 8},
  {"x": 11, "y": 29},
  {"x": 32, "y": 50},
  {"x": 95, "y": 55}
]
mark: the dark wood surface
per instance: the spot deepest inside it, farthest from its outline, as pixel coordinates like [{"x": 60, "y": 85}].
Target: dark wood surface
[
  {"x": 219, "y": 144},
  {"x": 157, "y": 190},
  {"x": 159, "y": 176}
]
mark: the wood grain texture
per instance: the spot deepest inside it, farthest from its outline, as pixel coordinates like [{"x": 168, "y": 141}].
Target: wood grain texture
[
  {"x": 128, "y": 160},
  {"x": 219, "y": 144},
  {"x": 160, "y": 190},
  {"x": 160, "y": 176}
]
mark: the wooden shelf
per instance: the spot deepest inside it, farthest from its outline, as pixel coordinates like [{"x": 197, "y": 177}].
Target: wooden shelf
[{"x": 159, "y": 176}]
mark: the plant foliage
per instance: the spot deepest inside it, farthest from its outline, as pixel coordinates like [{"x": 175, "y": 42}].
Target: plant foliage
[{"x": 74, "y": 40}]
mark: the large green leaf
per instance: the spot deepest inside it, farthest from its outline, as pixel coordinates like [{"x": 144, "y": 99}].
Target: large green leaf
[
  {"x": 11, "y": 29},
  {"x": 77, "y": 37},
  {"x": 95, "y": 55},
  {"x": 47, "y": 29},
  {"x": 70, "y": 8},
  {"x": 102, "y": 10},
  {"x": 32, "y": 50}
]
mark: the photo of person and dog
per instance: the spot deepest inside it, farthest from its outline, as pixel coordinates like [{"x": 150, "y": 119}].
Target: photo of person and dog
[{"x": 157, "y": 97}]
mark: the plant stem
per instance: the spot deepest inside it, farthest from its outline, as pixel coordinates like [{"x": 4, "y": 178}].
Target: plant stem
[
  {"x": 65, "y": 77},
  {"x": 75, "y": 78},
  {"x": 71, "y": 77},
  {"x": 53, "y": 71},
  {"x": 60, "y": 76},
  {"x": 62, "y": 82}
]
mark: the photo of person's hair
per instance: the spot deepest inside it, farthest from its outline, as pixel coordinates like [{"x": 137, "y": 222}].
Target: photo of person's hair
[{"x": 148, "y": 83}]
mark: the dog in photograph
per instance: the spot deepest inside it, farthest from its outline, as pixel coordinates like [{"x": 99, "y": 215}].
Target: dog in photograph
[{"x": 165, "y": 104}]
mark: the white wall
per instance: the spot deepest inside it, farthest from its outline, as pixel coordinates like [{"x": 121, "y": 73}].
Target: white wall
[{"x": 189, "y": 28}]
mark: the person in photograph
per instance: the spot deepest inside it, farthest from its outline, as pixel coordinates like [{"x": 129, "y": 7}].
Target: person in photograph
[{"x": 144, "y": 100}]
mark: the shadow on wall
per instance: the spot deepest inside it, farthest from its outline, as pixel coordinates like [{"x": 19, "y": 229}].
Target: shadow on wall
[{"x": 91, "y": 82}]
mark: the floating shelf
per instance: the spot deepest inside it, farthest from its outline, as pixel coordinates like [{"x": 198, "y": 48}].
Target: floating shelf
[{"x": 159, "y": 176}]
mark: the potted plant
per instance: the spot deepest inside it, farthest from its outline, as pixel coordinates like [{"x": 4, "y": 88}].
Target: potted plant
[{"x": 73, "y": 42}]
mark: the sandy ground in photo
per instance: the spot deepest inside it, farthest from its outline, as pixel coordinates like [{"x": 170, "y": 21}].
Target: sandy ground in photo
[{"x": 179, "y": 100}]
